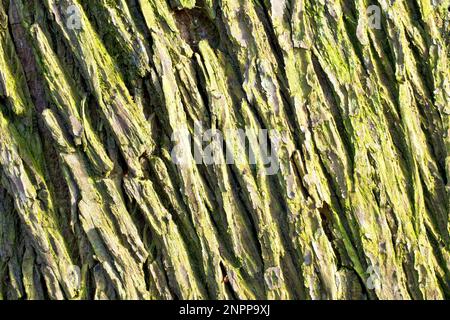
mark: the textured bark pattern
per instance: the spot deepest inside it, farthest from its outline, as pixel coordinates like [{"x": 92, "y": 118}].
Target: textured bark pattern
[{"x": 92, "y": 205}]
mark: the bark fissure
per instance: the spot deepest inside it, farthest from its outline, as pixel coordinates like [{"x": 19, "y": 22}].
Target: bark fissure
[{"x": 95, "y": 94}]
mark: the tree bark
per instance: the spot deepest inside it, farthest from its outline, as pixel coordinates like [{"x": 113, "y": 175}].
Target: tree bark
[{"x": 94, "y": 96}]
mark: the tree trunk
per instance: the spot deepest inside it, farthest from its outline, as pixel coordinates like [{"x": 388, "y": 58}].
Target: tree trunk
[{"x": 112, "y": 187}]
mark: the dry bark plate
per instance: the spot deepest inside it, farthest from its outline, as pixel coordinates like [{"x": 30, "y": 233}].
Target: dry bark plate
[{"x": 94, "y": 93}]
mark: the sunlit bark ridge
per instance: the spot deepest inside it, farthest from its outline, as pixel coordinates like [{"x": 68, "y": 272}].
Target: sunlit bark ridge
[{"x": 95, "y": 96}]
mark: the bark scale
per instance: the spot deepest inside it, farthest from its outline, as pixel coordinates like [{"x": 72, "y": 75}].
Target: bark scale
[{"x": 93, "y": 206}]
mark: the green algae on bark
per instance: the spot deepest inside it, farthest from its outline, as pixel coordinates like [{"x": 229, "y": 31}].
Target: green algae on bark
[{"x": 92, "y": 205}]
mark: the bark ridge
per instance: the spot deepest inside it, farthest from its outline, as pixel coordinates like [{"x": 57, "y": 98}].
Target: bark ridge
[{"x": 94, "y": 93}]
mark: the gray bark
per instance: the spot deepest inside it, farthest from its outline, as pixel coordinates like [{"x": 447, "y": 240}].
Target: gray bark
[{"x": 94, "y": 96}]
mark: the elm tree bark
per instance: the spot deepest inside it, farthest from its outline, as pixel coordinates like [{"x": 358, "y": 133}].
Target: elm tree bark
[{"x": 355, "y": 94}]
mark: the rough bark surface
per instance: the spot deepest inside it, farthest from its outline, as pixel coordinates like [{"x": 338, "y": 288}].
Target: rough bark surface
[{"x": 92, "y": 204}]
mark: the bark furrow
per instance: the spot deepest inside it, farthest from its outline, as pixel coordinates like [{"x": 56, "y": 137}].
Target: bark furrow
[{"x": 103, "y": 196}]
